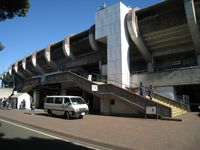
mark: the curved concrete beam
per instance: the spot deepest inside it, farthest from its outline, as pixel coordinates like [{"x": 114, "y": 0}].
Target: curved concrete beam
[
  {"x": 35, "y": 64},
  {"x": 47, "y": 55},
  {"x": 7, "y": 75},
  {"x": 193, "y": 25},
  {"x": 17, "y": 71},
  {"x": 134, "y": 33},
  {"x": 10, "y": 71},
  {"x": 66, "y": 48},
  {"x": 4, "y": 77},
  {"x": 26, "y": 69},
  {"x": 92, "y": 40}
]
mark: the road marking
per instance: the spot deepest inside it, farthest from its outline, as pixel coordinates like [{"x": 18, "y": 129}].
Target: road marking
[{"x": 56, "y": 137}]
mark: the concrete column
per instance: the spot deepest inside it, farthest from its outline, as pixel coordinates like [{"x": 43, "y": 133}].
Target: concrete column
[
  {"x": 198, "y": 60},
  {"x": 150, "y": 67},
  {"x": 63, "y": 92},
  {"x": 193, "y": 25},
  {"x": 110, "y": 29},
  {"x": 36, "y": 97}
]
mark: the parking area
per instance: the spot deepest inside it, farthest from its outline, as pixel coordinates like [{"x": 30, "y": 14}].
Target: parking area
[{"x": 121, "y": 132}]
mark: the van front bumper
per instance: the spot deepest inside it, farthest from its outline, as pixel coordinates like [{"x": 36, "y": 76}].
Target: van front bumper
[{"x": 79, "y": 113}]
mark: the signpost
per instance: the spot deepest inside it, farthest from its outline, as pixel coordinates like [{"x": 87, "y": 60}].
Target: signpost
[{"x": 151, "y": 110}]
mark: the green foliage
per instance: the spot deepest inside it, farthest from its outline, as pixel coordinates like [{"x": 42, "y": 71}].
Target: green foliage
[{"x": 11, "y": 8}]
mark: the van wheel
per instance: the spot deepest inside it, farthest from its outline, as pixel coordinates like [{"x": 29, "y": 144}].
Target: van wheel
[
  {"x": 67, "y": 115},
  {"x": 50, "y": 113},
  {"x": 80, "y": 117}
]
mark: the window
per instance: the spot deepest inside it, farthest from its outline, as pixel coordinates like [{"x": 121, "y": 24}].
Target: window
[
  {"x": 67, "y": 101},
  {"x": 77, "y": 101},
  {"x": 112, "y": 102},
  {"x": 49, "y": 100},
  {"x": 58, "y": 100}
]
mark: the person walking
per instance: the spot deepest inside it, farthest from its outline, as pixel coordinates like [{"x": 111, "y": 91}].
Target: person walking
[
  {"x": 150, "y": 91},
  {"x": 32, "y": 107}
]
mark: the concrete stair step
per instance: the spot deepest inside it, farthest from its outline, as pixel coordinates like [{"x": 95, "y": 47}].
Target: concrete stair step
[{"x": 178, "y": 113}]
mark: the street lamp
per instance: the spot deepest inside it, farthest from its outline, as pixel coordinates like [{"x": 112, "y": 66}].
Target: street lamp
[{"x": 1, "y": 46}]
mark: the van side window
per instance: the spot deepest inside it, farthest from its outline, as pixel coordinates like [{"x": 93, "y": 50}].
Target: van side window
[
  {"x": 67, "y": 101},
  {"x": 49, "y": 100},
  {"x": 58, "y": 100}
]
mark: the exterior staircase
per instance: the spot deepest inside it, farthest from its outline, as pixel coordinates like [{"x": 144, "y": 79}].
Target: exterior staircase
[
  {"x": 177, "y": 108},
  {"x": 164, "y": 109}
]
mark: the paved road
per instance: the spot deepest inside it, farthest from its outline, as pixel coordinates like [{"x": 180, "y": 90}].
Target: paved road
[
  {"x": 14, "y": 136},
  {"x": 118, "y": 132}
]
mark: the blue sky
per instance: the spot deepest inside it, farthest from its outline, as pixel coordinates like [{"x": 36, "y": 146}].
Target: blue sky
[{"x": 49, "y": 21}]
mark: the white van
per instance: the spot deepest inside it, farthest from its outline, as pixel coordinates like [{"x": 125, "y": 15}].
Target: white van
[{"x": 69, "y": 106}]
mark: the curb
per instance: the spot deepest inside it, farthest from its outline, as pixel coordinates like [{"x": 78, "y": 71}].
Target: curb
[{"x": 171, "y": 119}]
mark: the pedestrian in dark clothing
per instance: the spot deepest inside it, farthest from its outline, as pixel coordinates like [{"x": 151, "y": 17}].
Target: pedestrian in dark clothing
[
  {"x": 150, "y": 91},
  {"x": 141, "y": 89},
  {"x": 32, "y": 107}
]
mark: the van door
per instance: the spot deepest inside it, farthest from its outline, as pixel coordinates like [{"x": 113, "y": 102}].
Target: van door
[
  {"x": 58, "y": 106},
  {"x": 67, "y": 104}
]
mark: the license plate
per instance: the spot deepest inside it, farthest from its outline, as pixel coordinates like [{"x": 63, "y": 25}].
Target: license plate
[{"x": 83, "y": 113}]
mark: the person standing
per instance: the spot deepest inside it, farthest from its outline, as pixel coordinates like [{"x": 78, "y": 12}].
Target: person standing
[
  {"x": 4, "y": 103},
  {"x": 141, "y": 89}
]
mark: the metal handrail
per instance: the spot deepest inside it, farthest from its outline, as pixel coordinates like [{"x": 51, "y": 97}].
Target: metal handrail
[{"x": 171, "y": 101}]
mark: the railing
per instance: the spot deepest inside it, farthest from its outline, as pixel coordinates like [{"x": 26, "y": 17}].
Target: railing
[
  {"x": 170, "y": 101},
  {"x": 126, "y": 94}
]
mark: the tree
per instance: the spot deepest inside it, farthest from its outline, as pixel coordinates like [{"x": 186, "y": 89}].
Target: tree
[
  {"x": 11, "y": 8},
  {"x": 1, "y": 46}
]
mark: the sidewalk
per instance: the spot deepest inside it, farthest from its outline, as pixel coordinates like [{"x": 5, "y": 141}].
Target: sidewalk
[{"x": 118, "y": 132}]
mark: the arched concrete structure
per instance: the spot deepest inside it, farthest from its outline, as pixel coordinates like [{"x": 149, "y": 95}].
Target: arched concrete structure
[
  {"x": 193, "y": 26},
  {"x": 137, "y": 39},
  {"x": 66, "y": 47},
  {"x": 25, "y": 68},
  {"x": 17, "y": 71},
  {"x": 35, "y": 64},
  {"x": 10, "y": 71},
  {"x": 92, "y": 40},
  {"x": 48, "y": 58}
]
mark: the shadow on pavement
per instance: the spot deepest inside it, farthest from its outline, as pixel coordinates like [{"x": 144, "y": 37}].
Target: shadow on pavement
[{"x": 38, "y": 143}]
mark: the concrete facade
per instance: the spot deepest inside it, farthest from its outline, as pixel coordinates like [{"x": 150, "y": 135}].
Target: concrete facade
[
  {"x": 157, "y": 45},
  {"x": 111, "y": 105}
]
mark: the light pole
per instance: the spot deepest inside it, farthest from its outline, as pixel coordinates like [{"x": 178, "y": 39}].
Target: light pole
[{"x": 1, "y": 46}]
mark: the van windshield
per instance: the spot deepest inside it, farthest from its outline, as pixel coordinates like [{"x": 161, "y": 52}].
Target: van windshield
[{"x": 77, "y": 101}]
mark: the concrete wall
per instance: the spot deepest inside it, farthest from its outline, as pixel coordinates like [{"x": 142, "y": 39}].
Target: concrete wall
[
  {"x": 5, "y": 92},
  {"x": 119, "y": 107},
  {"x": 167, "y": 91},
  {"x": 27, "y": 99},
  {"x": 168, "y": 78}
]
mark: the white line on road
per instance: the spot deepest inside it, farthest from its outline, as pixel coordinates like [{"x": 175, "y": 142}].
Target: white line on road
[{"x": 55, "y": 137}]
